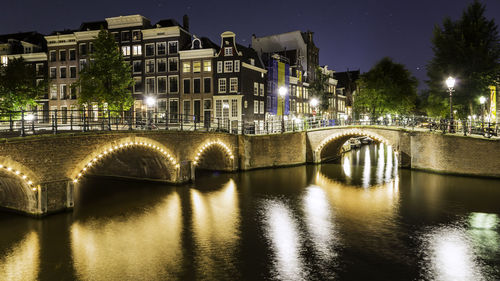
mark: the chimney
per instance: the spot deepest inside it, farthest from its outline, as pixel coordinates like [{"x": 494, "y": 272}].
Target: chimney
[{"x": 185, "y": 22}]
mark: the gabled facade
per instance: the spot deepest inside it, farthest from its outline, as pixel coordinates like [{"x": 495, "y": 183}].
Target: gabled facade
[{"x": 240, "y": 81}]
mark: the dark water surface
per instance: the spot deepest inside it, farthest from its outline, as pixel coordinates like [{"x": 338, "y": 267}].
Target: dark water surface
[{"x": 362, "y": 219}]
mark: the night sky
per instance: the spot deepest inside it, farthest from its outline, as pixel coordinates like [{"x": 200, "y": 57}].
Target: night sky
[{"x": 350, "y": 34}]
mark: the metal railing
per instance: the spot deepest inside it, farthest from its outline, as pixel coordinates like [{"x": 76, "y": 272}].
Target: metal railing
[{"x": 22, "y": 123}]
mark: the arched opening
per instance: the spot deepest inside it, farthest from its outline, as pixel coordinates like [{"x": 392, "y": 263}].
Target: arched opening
[
  {"x": 135, "y": 159},
  {"x": 17, "y": 190},
  {"x": 214, "y": 156}
]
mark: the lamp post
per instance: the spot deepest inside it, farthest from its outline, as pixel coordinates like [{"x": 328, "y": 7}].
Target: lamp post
[
  {"x": 150, "y": 103},
  {"x": 450, "y": 82},
  {"x": 314, "y": 103},
  {"x": 282, "y": 92},
  {"x": 482, "y": 101}
]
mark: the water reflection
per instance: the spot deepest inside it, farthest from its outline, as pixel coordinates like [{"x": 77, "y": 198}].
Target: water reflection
[
  {"x": 380, "y": 163},
  {"x": 389, "y": 167},
  {"x": 22, "y": 261},
  {"x": 281, "y": 230},
  {"x": 141, "y": 247},
  {"x": 367, "y": 168},
  {"x": 216, "y": 224},
  {"x": 319, "y": 221}
]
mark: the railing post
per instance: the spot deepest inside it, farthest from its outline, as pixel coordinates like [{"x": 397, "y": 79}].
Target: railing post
[
  {"x": 11, "y": 124},
  {"x": 33, "y": 124},
  {"x": 22, "y": 123},
  {"x": 166, "y": 120},
  {"x": 109, "y": 120},
  {"x": 83, "y": 120},
  {"x": 55, "y": 121},
  {"x": 218, "y": 124},
  {"x": 71, "y": 120},
  {"x": 180, "y": 120}
]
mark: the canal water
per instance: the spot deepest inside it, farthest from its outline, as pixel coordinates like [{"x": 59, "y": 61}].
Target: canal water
[{"x": 360, "y": 219}]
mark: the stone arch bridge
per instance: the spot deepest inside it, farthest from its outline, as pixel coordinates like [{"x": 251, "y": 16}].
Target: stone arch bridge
[{"x": 38, "y": 174}]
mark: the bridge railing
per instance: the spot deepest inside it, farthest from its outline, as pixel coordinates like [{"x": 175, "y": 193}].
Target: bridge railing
[{"x": 22, "y": 123}]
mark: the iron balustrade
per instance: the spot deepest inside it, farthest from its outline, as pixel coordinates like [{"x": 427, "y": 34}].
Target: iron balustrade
[{"x": 23, "y": 123}]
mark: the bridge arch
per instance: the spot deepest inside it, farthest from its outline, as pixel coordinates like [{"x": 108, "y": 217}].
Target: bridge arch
[
  {"x": 19, "y": 187},
  {"x": 332, "y": 144},
  {"x": 202, "y": 151},
  {"x": 111, "y": 148}
]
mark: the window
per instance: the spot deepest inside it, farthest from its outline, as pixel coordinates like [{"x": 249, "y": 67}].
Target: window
[
  {"x": 222, "y": 85},
  {"x": 39, "y": 69},
  {"x": 116, "y": 35},
  {"x": 187, "y": 86},
  {"x": 255, "y": 106},
  {"x": 187, "y": 109},
  {"x": 126, "y": 50},
  {"x": 173, "y": 64},
  {"x": 150, "y": 85},
  {"x": 197, "y": 85},
  {"x": 268, "y": 103},
  {"x": 52, "y": 55},
  {"x": 91, "y": 47},
  {"x": 233, "y": 85},
  {"x": 62, "y": 55},
  {"x": 261, "y": 107},
  {"x": 207, "y": 66},
  {"x": 136, "y": 35},
  {"x": 261, "y": 89},
  {"x": 53, "y": 92},
  {"x": 252, "y": 61},
  {"x": 38, "y": 82},
  {"x": 72, "y": 93},
  {"x": 225, "y": 108},
  {"x": 173, "y": 83},
  {"x": 219, "y": 67},
  {"x": 62, "y": 72},
  {"x": 125, "y": 35},
  {"x": 173, "y": 47},
  {"x": 207, "y": 85},
  {"x": 207, "y": 104},
  {"x": 137, "y": 66},
  {"x": 246, "y": 104},
  {"x": 186, "y": 67},
  {"x": 218, "y": 108},
  {"x": 162, "y": 85},
  {"x": 72, "y": 54},
  {"x": 161, "y": 65},
  {"x": 83, "y": 63},
  {"x": 196, "y": 66},
  {"x": 228, "y": 51},
  {"x": 72, "y": 71},
  {"x": 53, "y": 73},
  {"x": 236, "y": 66},
  {"x": 137, "y": 50},
  {"x": 228, "y": 66},
  {"x": 138, "y": 85},
  {"x": 150, "y": 50},
  {"x": 161, "y": 48},
  {"x": 63, "y": 91},
  {"x": 234, "y": 108},
  {"x": 83, "y": 49},
  {"x": 150, "y": 66},
  {"x": 255, "y": 88}
]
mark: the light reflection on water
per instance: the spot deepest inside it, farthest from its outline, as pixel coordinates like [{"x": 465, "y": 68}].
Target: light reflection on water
[{"x": 22, "y": 261}]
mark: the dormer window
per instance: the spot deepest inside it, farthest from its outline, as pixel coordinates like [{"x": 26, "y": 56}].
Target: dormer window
[
  {"x": 228, "y": 51},
  {"x": 252, "y": 61}
]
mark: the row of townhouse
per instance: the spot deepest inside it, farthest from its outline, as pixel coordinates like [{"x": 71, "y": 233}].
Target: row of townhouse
[{"x": 190, "y": 78}]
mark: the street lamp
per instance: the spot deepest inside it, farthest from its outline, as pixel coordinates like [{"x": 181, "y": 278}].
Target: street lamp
[
  {"x": 314, "y": 103},
  {"x": 482, "y": 101},
  {"x": 150, "y": 102},
  {"x": 450, "y": 82},
  {"x": 282, "y": 92}
]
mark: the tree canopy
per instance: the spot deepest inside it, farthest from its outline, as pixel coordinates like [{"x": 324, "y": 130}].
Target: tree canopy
[
  {"x": 107, "y": 78},
  {"x": 18, "y": 87},
  {"x": 469, "y": 50},
  {"x": 387, "y": 88}
]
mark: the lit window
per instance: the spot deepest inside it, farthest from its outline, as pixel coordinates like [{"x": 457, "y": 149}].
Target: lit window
[
  {"x": 233, "y": 85},
  {"x": 222, "y": 85},
  {"x": 234, "y": 108},
  {"x": 186, "y": 67},
  {"x": 207, "y": 66},
  {"x": 196, "y": 66},
  {"x": 137, "y": 50},
  {"x": 126, "y": 50},
  {"x": 228, "y": 66},
  {"x": 256, "y": 106},
  {"x": 261, "y": 89},
  {"x": 136, "y": 35}
]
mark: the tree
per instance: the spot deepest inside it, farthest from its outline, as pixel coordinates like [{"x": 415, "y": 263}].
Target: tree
[
  {"x": 18, "y": 87},
  {"x": 469, "y": 50},
  {"x": 107, "y": 78},
  {"x": 387, "y": 88},
  {"x": 318, "y": 89}
]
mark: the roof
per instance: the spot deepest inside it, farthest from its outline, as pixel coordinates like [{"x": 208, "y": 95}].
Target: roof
[
  {"x": 168, "y": 22},
  {"x": 345, "y": 77},
  {"x": 251, "y": 53},
  {"x": 32, "y": 37},
  {"x": 94, "y": 25},
  {"x": 62, "y": 32},
  {"x": 206, "y": 44}
]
